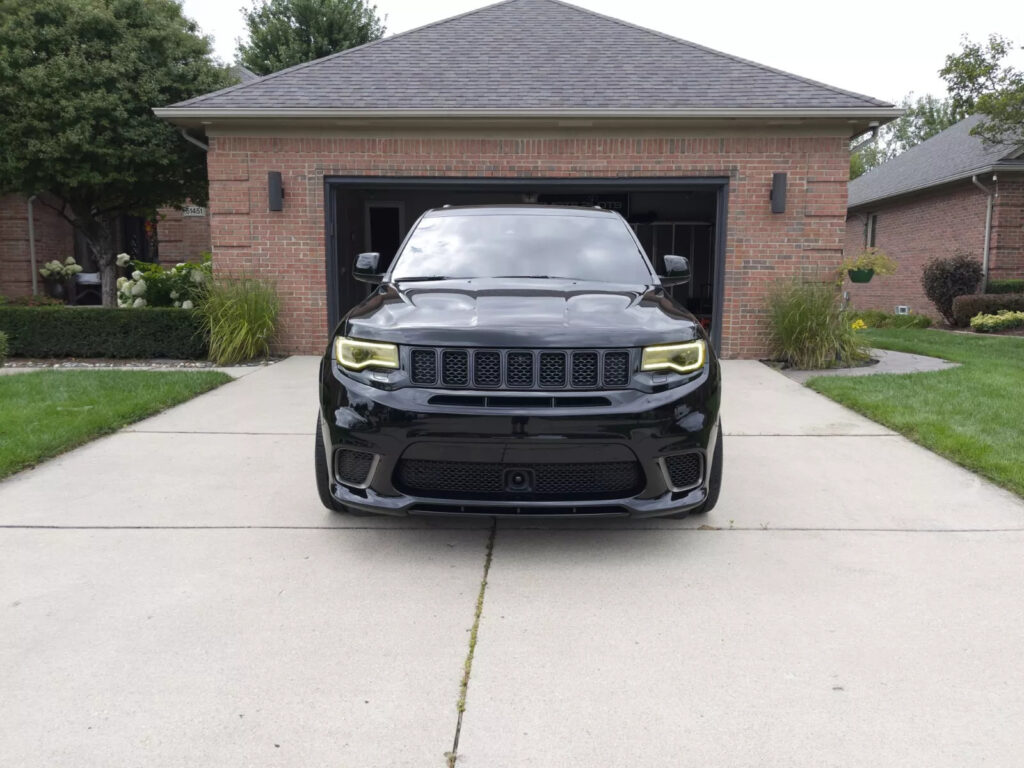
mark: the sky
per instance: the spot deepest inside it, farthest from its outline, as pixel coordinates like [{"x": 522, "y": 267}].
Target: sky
[{"x": 885, "y": 50}]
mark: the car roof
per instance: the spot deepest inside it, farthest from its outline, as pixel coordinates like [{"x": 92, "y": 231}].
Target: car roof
[{"x": 518, "y": 209}]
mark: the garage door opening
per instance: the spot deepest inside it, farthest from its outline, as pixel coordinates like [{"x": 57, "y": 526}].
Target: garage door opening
[{"x": 685, "y": 217}]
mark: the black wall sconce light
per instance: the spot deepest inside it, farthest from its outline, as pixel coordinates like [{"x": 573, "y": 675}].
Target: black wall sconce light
[
  {"x": 778, "y": 193},
  {"x": 275, "y": 191}
]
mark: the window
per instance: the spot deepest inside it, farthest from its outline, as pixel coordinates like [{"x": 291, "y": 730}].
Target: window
[{"x": 870, "y": 230}]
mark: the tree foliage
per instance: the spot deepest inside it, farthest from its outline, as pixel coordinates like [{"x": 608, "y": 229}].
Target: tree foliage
[
  {"x": 923, "y": 117},
  {"x": 283, "y": 33},
  {"x": 78, "y": 81},
  {"x": 978, "y": 80}
]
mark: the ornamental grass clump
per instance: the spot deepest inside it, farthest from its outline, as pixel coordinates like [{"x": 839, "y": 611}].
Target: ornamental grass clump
[
  {"x": 3, "y": 348},
  {"x": 239, "y": 315},
  {"x": 810, "y": 329}
]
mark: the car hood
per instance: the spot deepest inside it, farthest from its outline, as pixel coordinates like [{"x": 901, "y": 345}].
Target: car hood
[{"x": 520, "y": 312}]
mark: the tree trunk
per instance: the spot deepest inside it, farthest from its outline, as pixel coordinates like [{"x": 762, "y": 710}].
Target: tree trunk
[{"x": 100, "y": 238}]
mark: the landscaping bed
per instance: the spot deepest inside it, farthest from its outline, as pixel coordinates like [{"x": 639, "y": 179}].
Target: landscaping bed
[
  {"x": 971, "y": 414},
  {"x": 45, "y": 413}
]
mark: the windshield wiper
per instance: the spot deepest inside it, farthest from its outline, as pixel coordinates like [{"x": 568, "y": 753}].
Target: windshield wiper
[{"x": 426, "y": 278}]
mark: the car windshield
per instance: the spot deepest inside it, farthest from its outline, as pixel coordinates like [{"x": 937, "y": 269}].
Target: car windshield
[{"x": 503, "y": 244}]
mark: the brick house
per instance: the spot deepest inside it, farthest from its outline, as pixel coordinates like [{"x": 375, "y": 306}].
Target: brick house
[
  {"x": 537, "y": 101},
  {"x": 933, "y": 200}
]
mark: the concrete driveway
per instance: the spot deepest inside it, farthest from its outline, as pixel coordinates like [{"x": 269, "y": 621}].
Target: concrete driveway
[{"x": 174, "y": 595}]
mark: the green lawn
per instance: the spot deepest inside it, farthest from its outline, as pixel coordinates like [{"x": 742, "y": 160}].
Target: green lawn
[
  {"x": 973, "y": 414},
  {"x": 48, "y": 412}
]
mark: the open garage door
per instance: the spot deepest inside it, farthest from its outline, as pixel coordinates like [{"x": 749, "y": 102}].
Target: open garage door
[{"x": 686, "y": 217}]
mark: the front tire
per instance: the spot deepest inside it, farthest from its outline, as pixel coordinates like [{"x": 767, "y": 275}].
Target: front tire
[{"x": 323, "y": 477}]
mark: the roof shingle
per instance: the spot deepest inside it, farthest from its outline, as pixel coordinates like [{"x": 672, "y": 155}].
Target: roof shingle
[
  {"x": 947, "y": 156},
  {"x": 531, "y": 55}
]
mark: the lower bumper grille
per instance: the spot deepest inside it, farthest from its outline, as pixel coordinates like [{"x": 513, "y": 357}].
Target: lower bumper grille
[
  {"x": 353, "y": 467},
  {"x": 487, "y": 480},
  {"x": 685, "y": 470}
]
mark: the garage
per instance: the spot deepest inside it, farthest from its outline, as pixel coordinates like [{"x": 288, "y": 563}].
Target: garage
[
  {"x": 685, "y": 217},
  {"x": 740, "y": 167}
]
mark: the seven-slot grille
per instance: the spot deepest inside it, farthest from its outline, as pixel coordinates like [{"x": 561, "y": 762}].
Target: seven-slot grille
[{"x": 521, "y": 368}]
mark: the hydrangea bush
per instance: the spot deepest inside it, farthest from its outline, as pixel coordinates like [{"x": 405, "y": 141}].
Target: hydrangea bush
[
  {"x": 150, "y": 285},
  {"x": 57, "y": 270}
]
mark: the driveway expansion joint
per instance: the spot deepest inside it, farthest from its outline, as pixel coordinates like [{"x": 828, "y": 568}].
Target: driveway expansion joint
[{"x": 453, "y": 755}]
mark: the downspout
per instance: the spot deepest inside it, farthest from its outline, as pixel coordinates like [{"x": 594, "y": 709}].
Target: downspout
[
  {"x": 32, "y": 246},
  {"x": 868, "y": 141},
  {"x": 988, "y": 225},
  {"x": 189, "y": 137}
]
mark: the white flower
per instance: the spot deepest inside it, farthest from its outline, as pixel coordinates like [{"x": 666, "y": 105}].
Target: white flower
[
  {"x": 138, "y": 303},
  {"x": 139, "y": 288},
  {"x": 122, "y": 259},
  {"x": 197, "y": 276},
  {"x": 69, "y": 260},
  {"x": 186, "y": 304},
  {"x": 179, "y": 265},
  {"x": 136, "y": 275},
  {"x": 121, "y": 282},
  {"x": 177, "y": 303},
  {"x": 174, "y": 294}
]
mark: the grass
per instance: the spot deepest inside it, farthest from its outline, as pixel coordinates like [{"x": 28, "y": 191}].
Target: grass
[
  {"x": 972, "y": 414},
  {"x": 45, "y": 413}
]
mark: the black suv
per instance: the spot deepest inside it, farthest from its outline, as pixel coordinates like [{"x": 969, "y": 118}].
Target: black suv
[{"x": 519, "y": 360}]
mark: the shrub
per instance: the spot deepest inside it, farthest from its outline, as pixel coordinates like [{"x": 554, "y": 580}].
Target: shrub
[
  {"x": 31, "y": 301},
  {"x": 966, "y": 307},
  {"x": 810, "y": 329},
  {"x": 3, "y": 348},
  {"x": 150, "y": 285},
  {"x": 1000, "y": 321},
  {"x": 876, "y": 318},
  {"x": 101, "y": 332},
  {"x": 1005, "y": 286},
  {"x": 239, "y": 316},
  {"x": 945, "y": 279}
]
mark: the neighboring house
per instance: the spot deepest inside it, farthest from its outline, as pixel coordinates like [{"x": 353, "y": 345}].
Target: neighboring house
[
  {"x": 539, "y": 101},
  {"x": 176, "y": 235},
  {"x": 933, "y": 200}
]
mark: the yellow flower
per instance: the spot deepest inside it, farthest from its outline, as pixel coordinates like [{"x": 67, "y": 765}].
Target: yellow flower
[{"x": 858, "y": 325}]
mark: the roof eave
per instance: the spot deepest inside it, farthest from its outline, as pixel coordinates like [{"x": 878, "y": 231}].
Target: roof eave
[
  {"x": 193, "y": 115},
  {"x": 952, "y": 179}
]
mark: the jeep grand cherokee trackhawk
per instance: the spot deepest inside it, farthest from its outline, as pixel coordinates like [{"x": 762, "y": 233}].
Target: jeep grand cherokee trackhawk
[{"x": 519, "y": 360}]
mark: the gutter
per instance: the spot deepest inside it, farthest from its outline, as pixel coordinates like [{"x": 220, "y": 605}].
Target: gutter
[
  {"x": 32, "y": 246},
  {"x": 988, "y": 224},
  {"x": 208, "y": 113}
]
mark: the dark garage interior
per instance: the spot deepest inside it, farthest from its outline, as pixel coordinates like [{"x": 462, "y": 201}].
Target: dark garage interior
[{"x": 670, "y": 216}]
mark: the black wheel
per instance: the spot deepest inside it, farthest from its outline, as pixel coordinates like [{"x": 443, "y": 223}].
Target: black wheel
[
  {"x": 323, "y": 479},
  {"x": 714, "y": 482}
]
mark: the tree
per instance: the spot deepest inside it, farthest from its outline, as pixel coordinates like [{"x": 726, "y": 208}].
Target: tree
[
  {"x": 922, "y": 118},
  {"x": 283, "y": 33},
  {"x": 78, "y": 81},
  {"x": 979, "y": 82}
]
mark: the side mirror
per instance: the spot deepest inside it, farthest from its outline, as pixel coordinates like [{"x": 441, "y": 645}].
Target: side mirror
[
  {"x": 367, "y": 268},
  {"x": 677, "y": 270}
]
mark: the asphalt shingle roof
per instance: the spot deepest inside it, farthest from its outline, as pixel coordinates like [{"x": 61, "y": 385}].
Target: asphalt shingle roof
[
  {"x": 526, "y": 55},
  {"x": 947, "y": 156}
]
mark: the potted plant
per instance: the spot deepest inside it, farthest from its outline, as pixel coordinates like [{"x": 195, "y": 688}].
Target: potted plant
[
  {"x": 57, "y": 275},
  {"x": 866, "y": 264}
]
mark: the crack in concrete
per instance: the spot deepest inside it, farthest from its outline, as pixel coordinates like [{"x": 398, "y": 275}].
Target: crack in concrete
[{"x": 467, "y": 668}]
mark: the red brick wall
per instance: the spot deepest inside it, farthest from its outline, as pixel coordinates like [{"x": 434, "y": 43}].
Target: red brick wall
[
  {"x": 1006, "y": 256},
  {"x": 54, "y": 240},
  {"x": 289, "y": 245},
  {"x": 912, "y": 231},
  {"x": 182, "y": 238}
]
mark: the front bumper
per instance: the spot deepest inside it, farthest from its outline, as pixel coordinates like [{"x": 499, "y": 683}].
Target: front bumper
[{"x": 645, "y": 426}]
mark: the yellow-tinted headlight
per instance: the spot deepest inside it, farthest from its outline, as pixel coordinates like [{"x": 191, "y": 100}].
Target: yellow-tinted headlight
[
  {"x": 681, "y": 358},
  {"x": 357, "y": 355}
]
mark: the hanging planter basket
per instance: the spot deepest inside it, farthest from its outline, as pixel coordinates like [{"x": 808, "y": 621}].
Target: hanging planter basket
[{"x": 860, "y": 275}]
